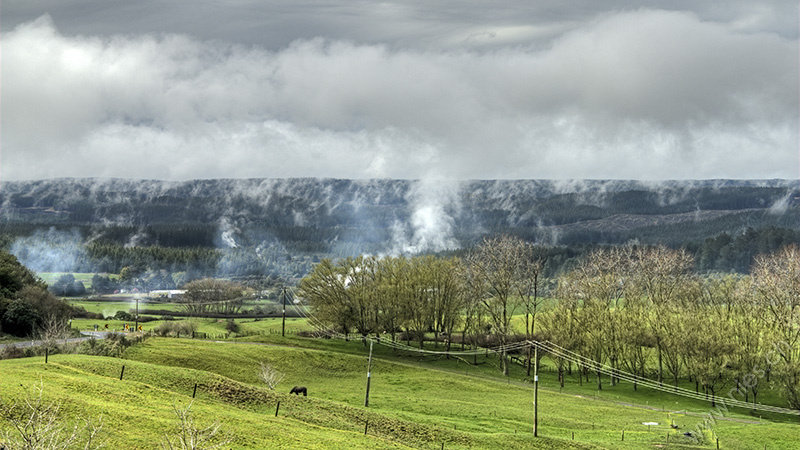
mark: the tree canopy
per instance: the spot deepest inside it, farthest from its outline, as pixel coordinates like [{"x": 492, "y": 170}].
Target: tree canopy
[{"x": 25, "y": 303}]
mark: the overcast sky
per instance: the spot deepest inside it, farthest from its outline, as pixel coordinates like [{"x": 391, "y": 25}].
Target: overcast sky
[{"x": 415, "y": 89}]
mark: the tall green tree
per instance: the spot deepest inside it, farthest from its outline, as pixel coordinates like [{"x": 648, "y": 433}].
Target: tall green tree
[{"x": 325, "y": 290}]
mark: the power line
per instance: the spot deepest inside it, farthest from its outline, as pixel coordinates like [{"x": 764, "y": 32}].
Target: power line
[{"x": 560, "y": 352}]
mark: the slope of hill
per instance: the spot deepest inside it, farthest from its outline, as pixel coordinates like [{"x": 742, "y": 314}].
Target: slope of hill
[
  {"x": 413, "y": 404},
  {"x": 267, "y": 220}
]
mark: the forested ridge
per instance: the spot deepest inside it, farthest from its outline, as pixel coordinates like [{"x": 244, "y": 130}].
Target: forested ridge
[{"x": 281, "y": 227}]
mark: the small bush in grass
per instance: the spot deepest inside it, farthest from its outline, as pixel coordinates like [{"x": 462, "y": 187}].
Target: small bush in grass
[
  {"x": 231, "y": 326},
  {"x": 191, "y": 436},
  {"x": 11, "y": 351},
  {"x": 123, "y": 315},
  {"x": 269, "y": 375},
  {"x": 36, "y": 423},
  {"x": 176, "y": 329}
]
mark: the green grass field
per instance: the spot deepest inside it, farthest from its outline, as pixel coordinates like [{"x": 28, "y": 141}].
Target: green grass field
[
  {"x": 415, "y": 401},
  {"x": 214, "y": 327},
  {"x": 86, "y": 278}
]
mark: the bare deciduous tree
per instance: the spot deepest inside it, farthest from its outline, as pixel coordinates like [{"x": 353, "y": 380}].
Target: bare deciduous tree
[
  {"x": 190, "y": 437},
  {"x": 35, "y": 424},
  {"x": 212, "y": 295},
  {"x": 776, "y": 281},
  {"x": 498, "y": 269},
  {"x": 269, "y": 375},
  {"x": 658, "y": 275},
  {"x": 53, "y": 329}
]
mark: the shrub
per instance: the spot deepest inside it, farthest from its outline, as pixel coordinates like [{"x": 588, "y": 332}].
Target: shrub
[
  {"x": 177, "y": 329},
  {"x": 11, "y": 351},
  {"x": 231, "y": 326},
  {"x": 186, "y": 327},
  {"x": 123, "y": 315},
  {"x": 79, "y": 312}
]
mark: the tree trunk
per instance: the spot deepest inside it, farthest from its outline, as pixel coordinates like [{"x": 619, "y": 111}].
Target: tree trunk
[
  {"x": 613, "y": 371},
  {"x": 713, "y": 397},
  {"x": 528, "y": 368}
]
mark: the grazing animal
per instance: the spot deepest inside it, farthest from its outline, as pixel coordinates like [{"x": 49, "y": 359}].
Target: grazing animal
[{"x": 299, "y": 390}]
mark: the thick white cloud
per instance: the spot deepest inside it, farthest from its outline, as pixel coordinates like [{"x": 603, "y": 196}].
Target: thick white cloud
[{"x": 642, "y": 94}]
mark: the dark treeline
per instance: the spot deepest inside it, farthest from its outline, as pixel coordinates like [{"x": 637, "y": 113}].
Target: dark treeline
[
  {"x": 291, "y": 260},
  {"x": 112, "y": 258},
  {"x": 279, "y": 228},
  {"x": 737, "y": 253}
]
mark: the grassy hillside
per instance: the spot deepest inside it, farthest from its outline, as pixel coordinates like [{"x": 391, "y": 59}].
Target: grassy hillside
[
  {"x": 136, "y": 413},
  {"x": 415, "y": 402}
]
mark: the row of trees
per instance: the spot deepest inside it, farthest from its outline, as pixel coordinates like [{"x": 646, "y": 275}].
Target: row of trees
[
  {"x": 215, "y": 296},
  {"x": 425, "y": 294},
  {"x": 636, "y": 309}
]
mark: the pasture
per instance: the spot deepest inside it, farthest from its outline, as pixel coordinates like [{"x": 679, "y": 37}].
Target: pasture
[{"x": 416, "y": 401}]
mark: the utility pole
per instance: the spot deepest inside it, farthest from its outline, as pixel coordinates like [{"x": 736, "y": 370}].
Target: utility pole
[
  {"x": 369, "y": 369},
  {"x": 283, "y": 324},
  {"x": 137, "y": 314},
  {"x": 535, "y": 391}
]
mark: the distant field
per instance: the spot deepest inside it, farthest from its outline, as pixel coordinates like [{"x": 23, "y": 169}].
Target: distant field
[
  {"x": 214, "y": 327},
  {"x": 110, "y": 308},
  {"x": 86, "y": 278}
]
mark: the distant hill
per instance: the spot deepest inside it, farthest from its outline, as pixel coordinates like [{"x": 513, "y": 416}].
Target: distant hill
[{"x": 332, "y": 217}]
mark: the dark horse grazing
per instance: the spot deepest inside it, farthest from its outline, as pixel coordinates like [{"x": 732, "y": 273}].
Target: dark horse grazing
[{"x": 299, "y": 390}]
